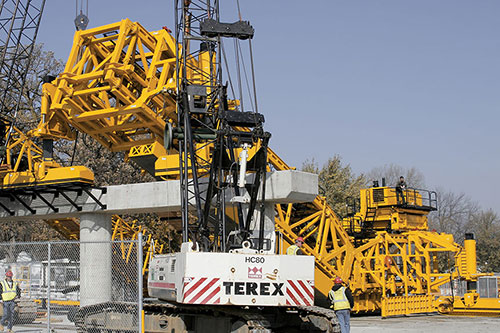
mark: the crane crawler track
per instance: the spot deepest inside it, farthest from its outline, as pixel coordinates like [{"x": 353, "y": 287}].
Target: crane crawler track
[
  {"x": 122, "y": 317},
  {"x": 92, "y": 318}
]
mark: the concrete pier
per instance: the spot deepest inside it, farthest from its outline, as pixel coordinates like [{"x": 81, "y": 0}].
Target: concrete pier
[{"x": 95, "y": 258}]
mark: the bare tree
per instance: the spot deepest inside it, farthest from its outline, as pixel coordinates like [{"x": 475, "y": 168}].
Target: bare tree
[
  {"x": 454, "y": 214},
  {"x": 109, "y": 167},
  {"x": 43, "y": 63},
  {"x": 486, "y": 227},
  {"x": 391, "y": 172}
]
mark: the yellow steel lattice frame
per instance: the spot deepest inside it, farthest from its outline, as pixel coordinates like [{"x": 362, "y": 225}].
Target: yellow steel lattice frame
[
  {"x": 18, "y": 146},
  {"x": 117, "y": 87},
  {"x": 397, "y": 265},
  {"x": 24, "y": 165}
]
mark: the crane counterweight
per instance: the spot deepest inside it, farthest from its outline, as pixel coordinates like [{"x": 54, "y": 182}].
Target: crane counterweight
[{"x": 240, "y": 277}]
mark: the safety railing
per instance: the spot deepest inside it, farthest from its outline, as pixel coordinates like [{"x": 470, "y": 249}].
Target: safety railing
[{"x": 413, "y": 198}]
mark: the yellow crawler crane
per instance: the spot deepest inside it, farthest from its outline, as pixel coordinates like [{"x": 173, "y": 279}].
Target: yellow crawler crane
[{"x": 119, "y": 87}]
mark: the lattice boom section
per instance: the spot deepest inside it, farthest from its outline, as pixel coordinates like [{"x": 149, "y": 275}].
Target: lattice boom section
[{"x": 117, "y": 86}]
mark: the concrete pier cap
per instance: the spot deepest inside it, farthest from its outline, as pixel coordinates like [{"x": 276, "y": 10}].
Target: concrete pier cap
[{"x": 288, "y": 186}]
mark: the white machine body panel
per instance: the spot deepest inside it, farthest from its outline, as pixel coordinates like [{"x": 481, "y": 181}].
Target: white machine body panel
[{"x": 232, "y": 279}]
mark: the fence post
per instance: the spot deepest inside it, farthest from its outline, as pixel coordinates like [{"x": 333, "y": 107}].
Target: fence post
[
  {"x": 139, "y": 280},
  {"x": 48, "y": 286}
]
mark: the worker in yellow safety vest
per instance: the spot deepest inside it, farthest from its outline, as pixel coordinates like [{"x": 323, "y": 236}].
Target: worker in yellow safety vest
[
  {"x": 296, "y": 248},
  {"x": 341, "y": 301},
  {"x": 10, "y": 292}
]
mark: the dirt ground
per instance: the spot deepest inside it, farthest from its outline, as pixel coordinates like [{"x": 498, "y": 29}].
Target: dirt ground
[{"x": 426, "y": 323}]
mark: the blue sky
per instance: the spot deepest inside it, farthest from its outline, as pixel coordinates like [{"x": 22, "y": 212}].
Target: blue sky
[{"x": 414, "y": 83}]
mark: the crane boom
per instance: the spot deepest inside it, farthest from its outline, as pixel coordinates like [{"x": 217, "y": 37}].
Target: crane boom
[{"x": 19, "y": 22}]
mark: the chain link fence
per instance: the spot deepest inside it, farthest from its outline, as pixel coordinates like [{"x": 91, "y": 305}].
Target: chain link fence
[{"x": 71, "y": 286}]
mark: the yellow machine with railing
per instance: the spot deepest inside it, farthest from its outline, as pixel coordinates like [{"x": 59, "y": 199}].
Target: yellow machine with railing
[
  {"x": 407, "y": 261},
  {"x": 119, "y": 85},
  {"x": 384, "y": 251},
  {"x": 380, "y": 208}
]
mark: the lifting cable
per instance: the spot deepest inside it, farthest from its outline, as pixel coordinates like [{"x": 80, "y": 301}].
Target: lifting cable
[
  {"x": 227, "y": 67},
  {"x": 238, "y": 54},
  {"x": 246, "y": 78},
  {"x": 74, "y": 149},
  {"x": 238, "y": 73},
  {"x": 239, "y": 10},
  {"x": 81, "y": 22},
  {"x": 253, "y": 76}
]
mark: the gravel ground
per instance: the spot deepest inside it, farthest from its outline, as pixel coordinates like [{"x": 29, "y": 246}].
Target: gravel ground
[{"x": 426, "y": 323}]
